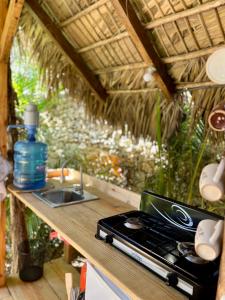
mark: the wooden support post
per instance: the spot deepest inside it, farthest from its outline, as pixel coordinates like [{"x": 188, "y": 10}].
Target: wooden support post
[
  {"x": 3, "y": 150},
  {"x": 18, "y": 229},
  {"x": 10, "y": 27},
  {"x": 8, "y": 24},
  {"x": 2, "y": 242},
  {"x": 70, "y": 253},
  {"x": 3, "y": 140}
]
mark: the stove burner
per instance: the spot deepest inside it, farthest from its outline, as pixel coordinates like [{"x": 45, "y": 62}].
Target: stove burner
[
  {"x": 187, "y": 250},
  {"x": 133, "y": 223}
]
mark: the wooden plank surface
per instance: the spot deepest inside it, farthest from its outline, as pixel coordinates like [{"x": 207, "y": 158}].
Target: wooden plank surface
[
  {"x": 78, "y": 223},
  {"x": 50, "y": 287},
  {"x": 4, "y": 293}
]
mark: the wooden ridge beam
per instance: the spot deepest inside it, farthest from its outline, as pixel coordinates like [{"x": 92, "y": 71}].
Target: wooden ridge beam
[
  {"x": 83, "y": 12},
  {"x": 141, "y": 40},
  {"x": 74, "y": 57},
  {"x": 10, "y": 27},
  {"x": 184, "y": 13}
]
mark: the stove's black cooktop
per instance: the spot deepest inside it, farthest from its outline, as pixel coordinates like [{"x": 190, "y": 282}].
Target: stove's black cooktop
[{"x": 152, "y": 237}]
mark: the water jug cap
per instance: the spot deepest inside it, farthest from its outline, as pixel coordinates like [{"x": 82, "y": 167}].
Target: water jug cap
[{"x": 31, "y": 115}]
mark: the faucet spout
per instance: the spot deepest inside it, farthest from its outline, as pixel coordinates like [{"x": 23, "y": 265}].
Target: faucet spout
[{"x": 76, "y": 188}]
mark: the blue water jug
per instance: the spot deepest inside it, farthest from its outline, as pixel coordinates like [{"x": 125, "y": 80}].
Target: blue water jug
[{"x": 30, "y": 159}]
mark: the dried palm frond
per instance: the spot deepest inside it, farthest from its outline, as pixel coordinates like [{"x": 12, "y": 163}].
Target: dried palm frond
[{"x": 131, "y": 100}]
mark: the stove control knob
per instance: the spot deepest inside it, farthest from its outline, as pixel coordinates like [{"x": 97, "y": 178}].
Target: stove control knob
[
  {"x": 171, "y": 279},
  {"x": 109, "y": 239}
]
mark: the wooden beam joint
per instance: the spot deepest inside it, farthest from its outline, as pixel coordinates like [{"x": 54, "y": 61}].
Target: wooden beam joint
[
  {"x": 146, "y": 49},
  {"x": 74, "y": 57}
]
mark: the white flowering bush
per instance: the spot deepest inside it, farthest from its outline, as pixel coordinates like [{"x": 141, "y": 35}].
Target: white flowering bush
[{"x": 111, "y": 155}]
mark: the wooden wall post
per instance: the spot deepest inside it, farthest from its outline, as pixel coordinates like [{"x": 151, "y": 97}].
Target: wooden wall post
[{"x": 3, "y": 139}]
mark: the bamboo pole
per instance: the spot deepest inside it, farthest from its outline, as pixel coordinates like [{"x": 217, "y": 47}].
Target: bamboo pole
[
  {"x": 166, "y": 60},
  {"x": 83, "y": 12},
  {"x": 136, "y": 91},
  {"x": 104, "y": 42},
  {"x": 122, "y": 68},
  {"x": 3, "y": 140},
  {"x": 179, "y": 86},
  {"x": 198, "y": 85},
  {"x": 185, "y": 13}
]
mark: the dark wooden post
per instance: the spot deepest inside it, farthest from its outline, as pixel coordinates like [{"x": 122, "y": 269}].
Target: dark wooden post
[
  {"x": 9, "y": 17},
  {"x": 3, "y": 139}
]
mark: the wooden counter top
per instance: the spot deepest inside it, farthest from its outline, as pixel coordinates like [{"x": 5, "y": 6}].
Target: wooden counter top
[{"x": 77, "y": 224}]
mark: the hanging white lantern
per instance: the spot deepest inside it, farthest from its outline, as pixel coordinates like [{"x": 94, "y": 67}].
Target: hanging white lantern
[{"x": 149, "y": 74}]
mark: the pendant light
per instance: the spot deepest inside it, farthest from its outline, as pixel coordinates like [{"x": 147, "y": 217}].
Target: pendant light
[{"x": 215, "y": 66}]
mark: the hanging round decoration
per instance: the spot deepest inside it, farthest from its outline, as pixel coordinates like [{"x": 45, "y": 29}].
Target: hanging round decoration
[
  {"x": 216, "y": 118},
  {"x": 215, "y": 66}
]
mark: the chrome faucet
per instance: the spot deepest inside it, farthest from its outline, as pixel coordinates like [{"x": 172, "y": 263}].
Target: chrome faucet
[
  {"x": 62, "y": 177},
  {"x": 76, "y": 188}
]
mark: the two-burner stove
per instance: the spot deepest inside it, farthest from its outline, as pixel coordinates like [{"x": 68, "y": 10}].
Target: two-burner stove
[{"x": 161, "y": 237}]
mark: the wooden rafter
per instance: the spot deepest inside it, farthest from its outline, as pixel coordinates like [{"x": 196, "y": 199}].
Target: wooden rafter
[
  {"x": 144, "y": 45},
  {"x": 104, "y": 42},
  {"x": 122, "y": 68},
  {"x": 10, "y": 27},
  {"x": 83, "y": 12},
  {"x": 198, "y": 85},
  {"x": 191, "y": 55},
  {"x": 182, "y": 86},
  {"x": 68, "y": 49},
  {"x": 185, "y": 13},
  {"x": 166, "y": 60}
]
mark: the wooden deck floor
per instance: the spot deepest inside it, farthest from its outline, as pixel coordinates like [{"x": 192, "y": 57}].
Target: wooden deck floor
[{"x": 50, "y": 287}]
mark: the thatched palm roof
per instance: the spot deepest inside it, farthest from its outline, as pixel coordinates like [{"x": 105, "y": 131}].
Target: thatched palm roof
[{"x": 183, "y": 34}]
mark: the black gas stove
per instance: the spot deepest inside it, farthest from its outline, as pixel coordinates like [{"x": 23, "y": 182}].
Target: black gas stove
[{"x": 161, "y": 237}]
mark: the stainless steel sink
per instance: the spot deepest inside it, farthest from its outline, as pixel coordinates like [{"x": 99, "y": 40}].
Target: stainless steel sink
[{"x": 64, "y": 196}]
